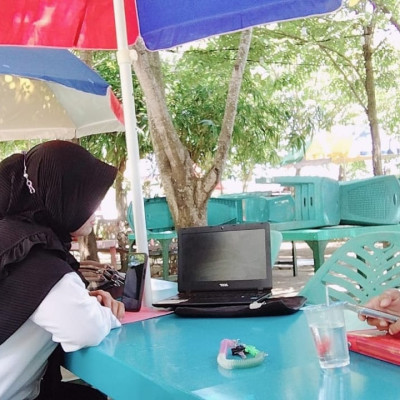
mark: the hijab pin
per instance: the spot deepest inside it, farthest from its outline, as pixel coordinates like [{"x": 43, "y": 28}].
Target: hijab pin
[{"x": 28, "y": 181}]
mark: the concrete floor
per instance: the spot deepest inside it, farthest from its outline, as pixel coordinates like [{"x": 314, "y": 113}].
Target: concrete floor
[{"x": 284, "y": 283}]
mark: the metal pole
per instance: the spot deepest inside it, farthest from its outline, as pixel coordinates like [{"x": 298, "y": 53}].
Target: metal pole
[{"x": 124, "y": 63}]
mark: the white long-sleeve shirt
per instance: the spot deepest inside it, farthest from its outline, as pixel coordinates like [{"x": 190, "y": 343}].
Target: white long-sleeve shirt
[{"x": 68, "y": 315}]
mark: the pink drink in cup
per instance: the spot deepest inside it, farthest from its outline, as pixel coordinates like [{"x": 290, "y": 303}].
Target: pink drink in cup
[{"x": 329, "y": 333}]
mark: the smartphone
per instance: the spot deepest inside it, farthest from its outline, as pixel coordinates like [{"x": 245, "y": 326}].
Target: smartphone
[
  {"x": 370, "y": 312},
  {"x": 134, "y": 281}
]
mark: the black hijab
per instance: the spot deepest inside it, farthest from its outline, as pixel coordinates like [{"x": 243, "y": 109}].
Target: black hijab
[{"x": 44, "y": 195}]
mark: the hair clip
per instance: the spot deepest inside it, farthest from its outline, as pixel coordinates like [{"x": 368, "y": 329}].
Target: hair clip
[{"x": 28, "y": 181}]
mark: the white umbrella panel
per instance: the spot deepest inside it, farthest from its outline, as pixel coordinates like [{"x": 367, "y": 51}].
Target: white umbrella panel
[{"x": 51, "y": 94}]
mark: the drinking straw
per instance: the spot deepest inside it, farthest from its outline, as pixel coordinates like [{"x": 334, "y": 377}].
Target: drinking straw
[{"x": 327, "y": 296}]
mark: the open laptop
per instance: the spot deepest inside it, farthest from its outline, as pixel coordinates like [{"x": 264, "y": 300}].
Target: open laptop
[{"x": 222, "y": 265}]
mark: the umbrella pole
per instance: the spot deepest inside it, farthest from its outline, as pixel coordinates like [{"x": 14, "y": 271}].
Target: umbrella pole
[{"x": 131, "y": 137}]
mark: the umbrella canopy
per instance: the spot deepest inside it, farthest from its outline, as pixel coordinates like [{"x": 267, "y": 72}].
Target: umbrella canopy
[
  {"x": 51, "y": 94},
  {"x": 88, "y": 24},
  {"x": 162, "y": 24},
  {"x": 168, "y": 23}
]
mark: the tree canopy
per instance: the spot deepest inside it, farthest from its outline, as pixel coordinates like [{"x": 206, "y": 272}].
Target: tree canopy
[{"x": 299, "y": 78}]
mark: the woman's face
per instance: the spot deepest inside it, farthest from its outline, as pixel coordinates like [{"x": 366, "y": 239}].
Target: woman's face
[{"x": 86, "y": 228}]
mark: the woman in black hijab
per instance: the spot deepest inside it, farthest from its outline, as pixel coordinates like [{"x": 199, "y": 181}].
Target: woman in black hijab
[{"x": 47, "y": 195}]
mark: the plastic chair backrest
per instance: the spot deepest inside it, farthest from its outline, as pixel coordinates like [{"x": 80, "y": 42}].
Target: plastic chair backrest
[
  {"x": 272, "y": 209},
  {"x": 371, "y": 201},
  {"x": 316, "y": 201},
  {"x": 261, "y": 206},
  {"x": 157, "y": 214},
  {"x": 159, "y": 218},
  {"x": 222, "y": 211},
  {"x": 363, "y": 267}
]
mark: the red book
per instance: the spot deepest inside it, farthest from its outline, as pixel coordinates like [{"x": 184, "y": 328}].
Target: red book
[{"x": 376, "y": 344}]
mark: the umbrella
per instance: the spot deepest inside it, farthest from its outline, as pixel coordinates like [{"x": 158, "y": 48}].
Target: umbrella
[
  {"x": 162, "y": 24},
  {"x": 51, "y": 94},
  {"x": 89, "y": 24}
]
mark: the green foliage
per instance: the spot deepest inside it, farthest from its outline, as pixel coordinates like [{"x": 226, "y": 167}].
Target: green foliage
[
  {"x": 16, "y": 146},
  {"x": 272, "y": 113},
  {"x": 112, "y": 146},
  {"x": 336, "y": 42}
]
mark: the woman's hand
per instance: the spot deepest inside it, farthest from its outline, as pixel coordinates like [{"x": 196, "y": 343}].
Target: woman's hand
[
  {"x": 106, "y": 300},
  {"x": 389, "y": 301}
]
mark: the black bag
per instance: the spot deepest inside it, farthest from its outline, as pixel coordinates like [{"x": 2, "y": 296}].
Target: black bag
[
  {"x": 272, "y": 307},
  {"x": 103, "y": 277},
  {"x": 127, "y": 287}
]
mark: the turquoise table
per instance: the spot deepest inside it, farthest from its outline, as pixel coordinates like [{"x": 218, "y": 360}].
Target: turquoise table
[
  {"x": 317, "y": 239},
  {"x": 173, "y": 358}
]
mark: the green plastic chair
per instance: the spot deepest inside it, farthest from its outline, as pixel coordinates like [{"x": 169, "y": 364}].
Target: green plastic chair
[
  {"x": 160, "y": 227},
  {"x": 363, "y": 267},
  {"x": 370, "y": 201}
]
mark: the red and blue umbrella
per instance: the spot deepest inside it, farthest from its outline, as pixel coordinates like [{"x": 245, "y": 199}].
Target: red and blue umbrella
[{"x": 90, "y": 24}]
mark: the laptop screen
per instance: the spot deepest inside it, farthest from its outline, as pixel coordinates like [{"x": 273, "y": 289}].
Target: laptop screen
[{"x": 224, "y": 257}]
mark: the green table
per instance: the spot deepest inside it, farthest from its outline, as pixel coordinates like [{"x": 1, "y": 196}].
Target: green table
[{"x": 318, "y": 239}]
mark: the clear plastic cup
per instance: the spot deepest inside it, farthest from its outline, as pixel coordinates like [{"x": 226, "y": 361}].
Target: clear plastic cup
[{"x": 329, "y": 333}]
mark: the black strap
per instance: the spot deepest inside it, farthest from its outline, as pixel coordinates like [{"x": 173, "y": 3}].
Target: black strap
[
  {"x": 52, "y": 388},
  {"x": 51, "y": 380}
]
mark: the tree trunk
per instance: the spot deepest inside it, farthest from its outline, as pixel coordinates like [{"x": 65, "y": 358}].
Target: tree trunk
[
  {"x": 121, "y": 228},
  {"x": 246, "y": 173},
  {"x": 88, "y": 247},
  {"x": 87, "y": 57},
  {"x": 120, "y": 192},
  {"x": 371, "y": 107},
  {"x": 342, "y": 173},
  {"x": 187, "y": 191}
]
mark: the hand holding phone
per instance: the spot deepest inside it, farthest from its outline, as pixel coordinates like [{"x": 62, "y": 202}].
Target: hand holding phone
[{"x": 372, "y": 313}]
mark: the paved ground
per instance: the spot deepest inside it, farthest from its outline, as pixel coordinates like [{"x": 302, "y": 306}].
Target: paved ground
[{"x": 284, "y": 283}]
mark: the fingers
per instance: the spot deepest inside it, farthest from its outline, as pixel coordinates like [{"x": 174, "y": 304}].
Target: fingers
[
  {"x": 394, "y": 329},
  {"x": 388, "y": 301},
  {"x": 390, "y": 297},
  {"x": 102, "y": 296},
  {"x": 380, "y": 324},
  {"x": 105, "y": 299},
  {"x": 118, "y": 310}
]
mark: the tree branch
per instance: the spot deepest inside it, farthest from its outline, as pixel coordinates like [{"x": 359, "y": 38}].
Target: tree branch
[{"x": 228, "y": 121}]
